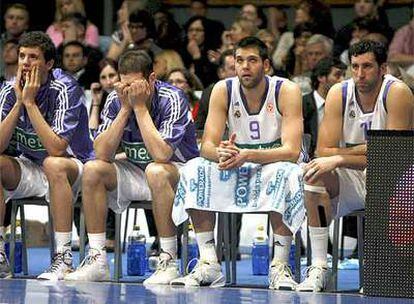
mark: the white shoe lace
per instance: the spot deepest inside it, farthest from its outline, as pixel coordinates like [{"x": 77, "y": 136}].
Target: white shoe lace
[
  {"x": 89, "y": 259},
  {"x": 57, "y": 262},
  {"x": 199, "y": 271},
  {"x": 280, "y": 271},
  {"x": 314, "y": 273}
]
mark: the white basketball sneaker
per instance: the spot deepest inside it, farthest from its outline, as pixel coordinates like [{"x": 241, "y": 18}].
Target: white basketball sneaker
[
  {"x": 5, "y": 272},
  {"x": 316, "y": 279},
  {"x": 93, "y": 268},
  {"x": 204, "y": 274},
  {"x": 280, "y": 277},
  {"x": 60, "y": 266},
  {"x": 167, "y": 270}
]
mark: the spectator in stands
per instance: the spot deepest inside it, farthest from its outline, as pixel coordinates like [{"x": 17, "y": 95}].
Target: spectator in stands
[
  {"x": 74, "y": 61},
  {"x": 168, "y": 33},
  {"x": 255, "y": 14},
  {"x": 9, "y": 59},
  {"x": 66, "y": 7},
  {"x": 149, "y": 120},
  {"x": 326, "y": 73},
  {"x": 165, "y": 61},
  {"x": 278, "y": 21},
  {"x": 269, "y": 39},
  {"x": 242, "y": 28},
  {"x": 335, "y": 181},
  {"x": 225, "y": 69},
  {"x": 372, "y": 9},
  {"x": 16, "y": 22},
  {"x": 199, "y": 40},
  {"x": 45, "y": 108},
  {"x": 198, "y": 8},
  {"x": 317, "y": 12},
  {"x": 226, "y": 165},
  {"x": 402, "y": 47},
  {"x": 137, "y": 33},
  {"x": 189, "y": 83}
]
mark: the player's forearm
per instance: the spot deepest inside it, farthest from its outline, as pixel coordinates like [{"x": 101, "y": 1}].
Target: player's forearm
[
  {"x": 94, "y": 118},
  {"x": 359, "y": 150},
  {"x": 209, "y": 151},
  {"x": 157, "y": 147},
  {"x": 266, "y": 156},
  {"x": 107, "y": 143},
  {"x": 8, "y": 125},
  {"x": 401, "y": 59},
  {"x": 356, "y": 162},
  {"x": 53, "y": 143}
]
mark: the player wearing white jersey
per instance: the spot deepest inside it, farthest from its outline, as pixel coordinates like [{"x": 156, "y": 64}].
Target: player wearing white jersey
[
  {"x": 255, "y": 170},
  {"x": 335, "y": 181}
]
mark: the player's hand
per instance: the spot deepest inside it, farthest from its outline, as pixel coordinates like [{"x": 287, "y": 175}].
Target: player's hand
[
  {"x": 139, "y": 93},
  {"x": 227, "y": 148},
  {"x": 96, "y": 92},
  {"x": 18, "y": 88},
  {"x": 234, "y": 162},
  {"x": 122, "y": 92},
  {"x": 318, "y": 167},
  {"x": 31, "y": 86},
  {"x": 193, "y": 49}
]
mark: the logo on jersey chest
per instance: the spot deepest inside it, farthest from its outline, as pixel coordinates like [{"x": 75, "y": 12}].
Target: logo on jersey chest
[
  {"x": 136, "y": 152},
  {"x": 29, "y": 140},
  {"x": 270, "y": 108},
  {"x": 352, "y": 114}
]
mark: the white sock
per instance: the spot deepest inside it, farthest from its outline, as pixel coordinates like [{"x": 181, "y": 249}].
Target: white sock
[
  {"x": 205, "y": 241},
  {"x": 97, "y": 241},
  {"x": 319, "y": 244},
  {"x": 63, "y": 241},
  {"x": 281, "y": 245},
  {"x": 169, "y": 245},
  {"x": 2, "y": 237}
]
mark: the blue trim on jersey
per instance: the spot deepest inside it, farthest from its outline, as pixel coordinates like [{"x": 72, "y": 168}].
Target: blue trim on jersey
[
  {"x": 277, "y": 91},
  {"x": 229, "y": 84},
  {"x": 385, "y": 94},
  {"x": 344, "y": 94},
  {"x": 244, "y": 100}
]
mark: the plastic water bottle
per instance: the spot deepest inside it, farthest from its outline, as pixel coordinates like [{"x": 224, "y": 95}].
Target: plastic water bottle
[
  {"x": 260, "y": 252},
  {"x": 192, "y": 252},
  {"x": 292, "y": 262},
  {"x": 136, "y": 253},
  {"x": 17, "y": 249}
]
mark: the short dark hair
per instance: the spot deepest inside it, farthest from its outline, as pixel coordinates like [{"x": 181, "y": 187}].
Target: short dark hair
[
  {"x": 368, "y": 46},
  {"x": 108, "y": 62},
  {"x": 323, "y": 68},
  {"x": 223, "y": 55},
  {"x": 19, "y": 6},
  {"x": 74, "y": 43},
  {"x": 143, "y": 17},
  {"x": 76, "y": 18},
  {"x": 253, "y": 42},
  {"x": 40, "y": 40},
  {"x": 135, "y": 61}
]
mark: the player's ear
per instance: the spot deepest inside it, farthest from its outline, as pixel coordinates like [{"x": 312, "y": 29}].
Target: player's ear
[
  {"x": 383, "y": 68},
  {"x": 267, "y": 65},
  {"x": 152, "y": 78},
  {"x": 50, "y": 64}
]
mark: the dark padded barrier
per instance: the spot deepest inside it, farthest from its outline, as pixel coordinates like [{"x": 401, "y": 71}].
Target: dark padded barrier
[{"x": 389, "y": 229}]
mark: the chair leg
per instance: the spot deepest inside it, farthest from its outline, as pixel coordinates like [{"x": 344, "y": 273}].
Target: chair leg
[
  {"x": 24, "y": 244},
  {"x": 184, "y": 248},
  {"x": 52, "y": 233},
  {"x": 82, "y": 232},
  {"x": 117, "y": 250},
  {"x": 125, "y": 230},
  {"x": 308, "y": 246},
  {"x": 220, "y": 233},
  {"x": 334, "y": 278},
  {"x": 298, "y": 243},
  {"x": 360, "y": 229},
  {"x": 226, "y": 233},
  {"x": 342, "y": 243},
  {"x": 233, "y": 247},
  {"x": 12, "y": 241}
]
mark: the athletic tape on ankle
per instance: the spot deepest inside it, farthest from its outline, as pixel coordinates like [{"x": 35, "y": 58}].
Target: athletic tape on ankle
[{"x": 316, "y": 189}]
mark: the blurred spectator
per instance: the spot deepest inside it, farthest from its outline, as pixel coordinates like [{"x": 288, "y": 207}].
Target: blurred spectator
[
  {"x": 269, "y": 39},
  {"x": 317, "y": 47},
  {"x": 74, "y": 61},
  {"x": 199, "y": 40},
  {"x": 9, "y": 59},
  {"x": 225, "y": 69},
  {"x": 255, "y": 14},
  {"x": 371, "y": 9},
  {"x": 401, "y": 49},
  {"x": 137, "y": 33},
  {"x": 317, "y": 12},
  {"x": 165, "y": 61},
  {"x": 188, "y": 82},
  {"x": 242, "y": 28},
  {"x": 16, "y": 22},
  {"x": 326, "y": 73},
  {"x": 73, "y": 28},
  {"x": 66, "y": 7},
  {"x": 168, "y": 32},
  {"x": 198, "y": 8},
  {"x": 277, "y": 21}
]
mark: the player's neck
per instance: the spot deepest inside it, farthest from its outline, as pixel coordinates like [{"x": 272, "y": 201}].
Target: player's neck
[
  {"x": 254, "y": 95},
  {"x": 369, "y": 99}
]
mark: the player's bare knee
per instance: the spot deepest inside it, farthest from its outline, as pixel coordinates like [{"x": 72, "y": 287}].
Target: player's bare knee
[
  {"x": 93, "y": 172},
  {"x": 158, "y": 176},
  {"x": 54, "y": 168}
]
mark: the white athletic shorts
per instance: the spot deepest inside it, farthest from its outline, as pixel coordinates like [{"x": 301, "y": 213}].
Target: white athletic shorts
[
  {"x": 131, "y": 185},
  {"x": 33, "y": 181},
  {"x": 352, "y": 191}
]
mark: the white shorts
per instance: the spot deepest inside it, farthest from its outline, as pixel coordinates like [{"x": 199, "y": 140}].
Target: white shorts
[
  {"x": 352, "y": 192},
  {"x": 33, "y": 181},
  {"x": 131, "y": 185}
]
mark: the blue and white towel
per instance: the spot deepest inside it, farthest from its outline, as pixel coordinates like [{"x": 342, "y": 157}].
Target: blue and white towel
[{"x": 253, "y": 187}]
